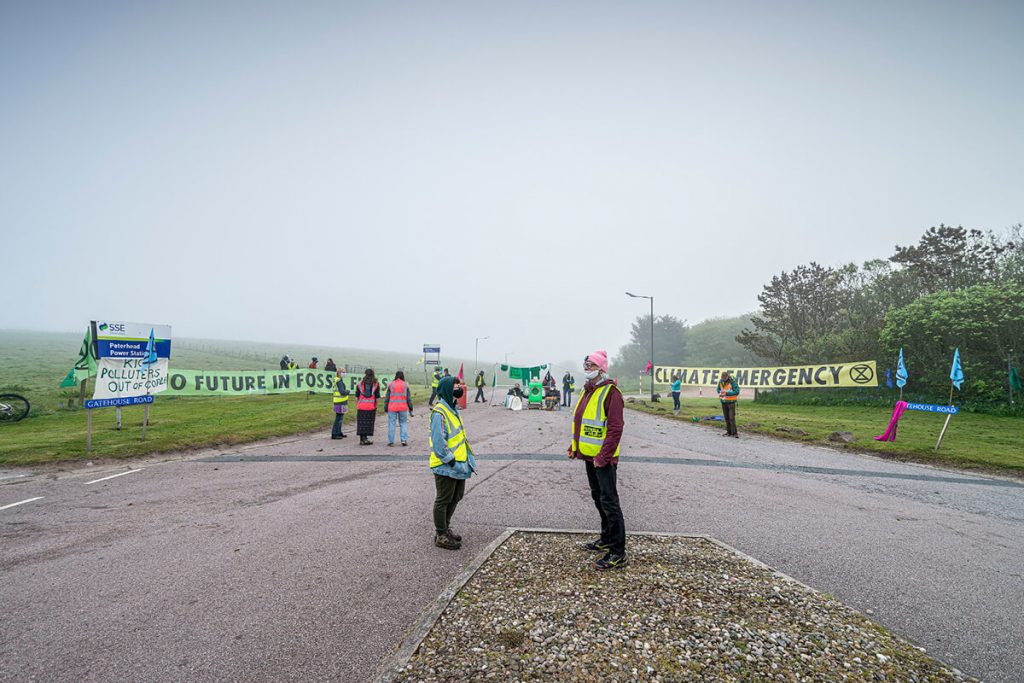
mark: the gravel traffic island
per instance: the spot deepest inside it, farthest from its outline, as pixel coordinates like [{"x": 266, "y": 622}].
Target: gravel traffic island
[{"x": 684, "y": 609}]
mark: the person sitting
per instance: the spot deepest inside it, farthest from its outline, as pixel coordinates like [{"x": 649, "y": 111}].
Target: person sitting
[{"x": 516, "y": 391}]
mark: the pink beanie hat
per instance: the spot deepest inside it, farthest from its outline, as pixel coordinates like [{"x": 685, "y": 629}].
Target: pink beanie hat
[{"x": 599, "y": 358}]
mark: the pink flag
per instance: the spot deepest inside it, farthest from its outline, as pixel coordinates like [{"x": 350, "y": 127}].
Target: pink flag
[
  {"x": 894, "y": 421},
  {"x": 460, "y": 371}
]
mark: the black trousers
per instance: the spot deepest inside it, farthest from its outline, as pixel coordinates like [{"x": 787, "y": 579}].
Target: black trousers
[
  {"x": 729, "y": 412},
  {"x": 433, "y": 396},
  {"x": 448, "y": 493},
  {"x": 606, "y": 499},
  {"x": 480, "y": 396}
]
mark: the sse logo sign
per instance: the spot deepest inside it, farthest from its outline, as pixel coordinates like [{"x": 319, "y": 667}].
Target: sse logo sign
[{"x": 115, "y": 328}]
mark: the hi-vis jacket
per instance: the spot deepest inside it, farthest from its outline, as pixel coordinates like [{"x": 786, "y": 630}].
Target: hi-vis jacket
[
  {"x": 340, "y": 392},
  {"x": 448, "y": 444},
  {"x": 731, "y": 389},
  {"x": 593, "y": 422}
]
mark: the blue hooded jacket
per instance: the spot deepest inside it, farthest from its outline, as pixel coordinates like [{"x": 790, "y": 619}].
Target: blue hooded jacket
[{"x": 439, "y": 436}]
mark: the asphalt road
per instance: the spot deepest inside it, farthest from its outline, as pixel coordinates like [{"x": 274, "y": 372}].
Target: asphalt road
[{"x": 308, "y": 559}]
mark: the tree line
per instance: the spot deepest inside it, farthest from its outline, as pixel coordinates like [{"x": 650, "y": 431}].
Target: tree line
[{"x": 956, "y": 287}]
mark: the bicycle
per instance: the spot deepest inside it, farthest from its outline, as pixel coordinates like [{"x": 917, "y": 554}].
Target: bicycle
[{"x": 12, "y": 407}]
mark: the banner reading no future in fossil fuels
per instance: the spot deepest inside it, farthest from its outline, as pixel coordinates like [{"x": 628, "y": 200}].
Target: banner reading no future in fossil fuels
[
  {"x": 852, "y": 374},
  {"x": 243, "y": 382}
]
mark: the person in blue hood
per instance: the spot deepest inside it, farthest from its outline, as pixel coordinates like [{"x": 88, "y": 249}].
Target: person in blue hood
[{"x": 451, "y": 460}]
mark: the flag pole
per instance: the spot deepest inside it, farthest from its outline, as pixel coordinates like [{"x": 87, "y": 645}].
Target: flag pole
[{"x": 948, "y": 416}]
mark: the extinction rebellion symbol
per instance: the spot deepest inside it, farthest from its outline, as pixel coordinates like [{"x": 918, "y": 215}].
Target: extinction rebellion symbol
[{"x": 862, "y": 374}]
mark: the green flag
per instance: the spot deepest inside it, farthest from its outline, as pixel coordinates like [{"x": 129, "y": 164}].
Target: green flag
[
  {"x": 1015, "y": 380},
  {"x": 69, "y": 380},
  {"x": 85, "y": 366}
]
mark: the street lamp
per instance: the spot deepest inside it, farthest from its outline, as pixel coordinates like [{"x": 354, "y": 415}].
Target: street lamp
[
  {"x": 477, "y": 360},
  {"x": 641, "y": 296}
]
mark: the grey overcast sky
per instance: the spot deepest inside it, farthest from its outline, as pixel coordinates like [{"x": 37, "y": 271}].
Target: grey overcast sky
[{"x": 381, "y": 175}]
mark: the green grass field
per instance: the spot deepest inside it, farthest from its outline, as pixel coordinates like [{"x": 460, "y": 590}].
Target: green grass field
[
  {"x": 973, "y": 441},
  {"x": 34, "y": 363}
]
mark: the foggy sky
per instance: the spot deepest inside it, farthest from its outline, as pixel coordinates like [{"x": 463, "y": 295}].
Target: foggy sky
[{"x": 383, "y": 175}]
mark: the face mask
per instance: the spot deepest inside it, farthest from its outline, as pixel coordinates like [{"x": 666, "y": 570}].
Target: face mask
[
  {"x": 457, "y": 392},
  {"x": 591, "y": 374}
]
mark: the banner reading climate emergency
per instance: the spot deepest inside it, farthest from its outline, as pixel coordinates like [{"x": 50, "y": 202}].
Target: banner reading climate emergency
[{"x": 853, "y": 374}]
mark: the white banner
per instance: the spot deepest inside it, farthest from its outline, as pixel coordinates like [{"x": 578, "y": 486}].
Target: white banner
[{"x": 127, "y": 377}]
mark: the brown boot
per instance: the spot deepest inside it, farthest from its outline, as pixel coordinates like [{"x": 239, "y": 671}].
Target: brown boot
[{"x": 447, "y": 542}]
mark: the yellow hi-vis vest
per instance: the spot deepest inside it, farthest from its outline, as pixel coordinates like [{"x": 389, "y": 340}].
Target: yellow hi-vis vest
[
  {"x": 457, "y": 444},
  {"x": 434, "y": 382},
  {"x": 338, "y": 398},
  {"x": 594, "y": 425}
]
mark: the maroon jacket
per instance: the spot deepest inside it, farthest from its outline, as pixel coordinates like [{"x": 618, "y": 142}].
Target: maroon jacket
[{"x": 613, "y": 410}]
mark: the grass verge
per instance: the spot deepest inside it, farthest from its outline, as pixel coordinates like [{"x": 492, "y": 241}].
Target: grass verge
[
  {"x": 175, "y": 424},
  {"x": 973, "y": 441}
]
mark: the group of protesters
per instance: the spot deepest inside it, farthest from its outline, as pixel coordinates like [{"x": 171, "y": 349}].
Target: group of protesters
[{"x": 596, "y": 430}]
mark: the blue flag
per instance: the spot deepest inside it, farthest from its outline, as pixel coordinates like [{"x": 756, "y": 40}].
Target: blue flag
[
  {"x": 956, "y": 373},
  {"x": 888, "y": 377},
  {"x": 901, "y": 372},
  {"x": 150, "y": 359}
]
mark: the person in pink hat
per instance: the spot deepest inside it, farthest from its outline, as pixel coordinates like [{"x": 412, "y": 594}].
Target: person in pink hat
[{"x": 596, "y": 431}]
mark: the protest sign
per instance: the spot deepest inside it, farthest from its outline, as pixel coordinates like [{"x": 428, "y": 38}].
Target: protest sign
[{"x": 850, "y": 374}]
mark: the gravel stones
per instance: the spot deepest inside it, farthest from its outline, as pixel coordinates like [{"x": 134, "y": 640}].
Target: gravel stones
[{"x": 685, "y": 609}]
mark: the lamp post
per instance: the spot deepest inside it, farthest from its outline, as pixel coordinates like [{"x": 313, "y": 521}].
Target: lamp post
[
  {"x": 476, "y": 361},
  {"x": 641, "y": 296}
]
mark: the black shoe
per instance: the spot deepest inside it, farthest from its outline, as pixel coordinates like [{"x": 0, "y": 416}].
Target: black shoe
[
  {"x": 597, "y": 546},
  {"x": 337, "y": 437},
  {"x": 727, "y": 434},
  {"x": 443, "y": 541},
  {"x": 611, "y": 561},
  {"x": 736, "y": 435},
  {"x": 454, "y": 536},
  {"x": 405, "y": 443},
  {"x": 391, "y": 444}
]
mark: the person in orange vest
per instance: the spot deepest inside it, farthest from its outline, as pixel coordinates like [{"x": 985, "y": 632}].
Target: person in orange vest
[
  {"x": 367, "y": 395},
  {"x": 729, "y": 391},
  {"x": 399, "y": 404}
]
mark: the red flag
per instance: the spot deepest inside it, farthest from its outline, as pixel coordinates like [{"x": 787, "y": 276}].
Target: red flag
[{"x": 460, "y": 371}]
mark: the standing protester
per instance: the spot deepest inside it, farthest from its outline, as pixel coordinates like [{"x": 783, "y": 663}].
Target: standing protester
[
  {"x": 451, "y": 461},
  {"x": 284, "y": 362},
  {"x": 729, "y": 391},
  {"x": 399, "y": 403},
  {"x": 568, "y": 386},
  {"x": 367, "y": 394},
  {"x": 480, "y": 384},
  {"x": 330, "y": 366},
  {"x": 677, "y": 388},
  {"x": 292, "y": 364},
  {"x": 433, "y": 386},
  {"x": 312, "y": 363},
  {"x": 340, "y": 404},
  {"x": 596, "y": 431}
]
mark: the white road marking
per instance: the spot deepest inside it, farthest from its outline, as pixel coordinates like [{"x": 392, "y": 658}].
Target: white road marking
[
  {"x": 119, "y": 474},
  {"x": 21, "y": 502}
]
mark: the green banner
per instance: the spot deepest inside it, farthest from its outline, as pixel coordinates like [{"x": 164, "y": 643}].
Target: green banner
[{"x": 245, "y": 382}]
